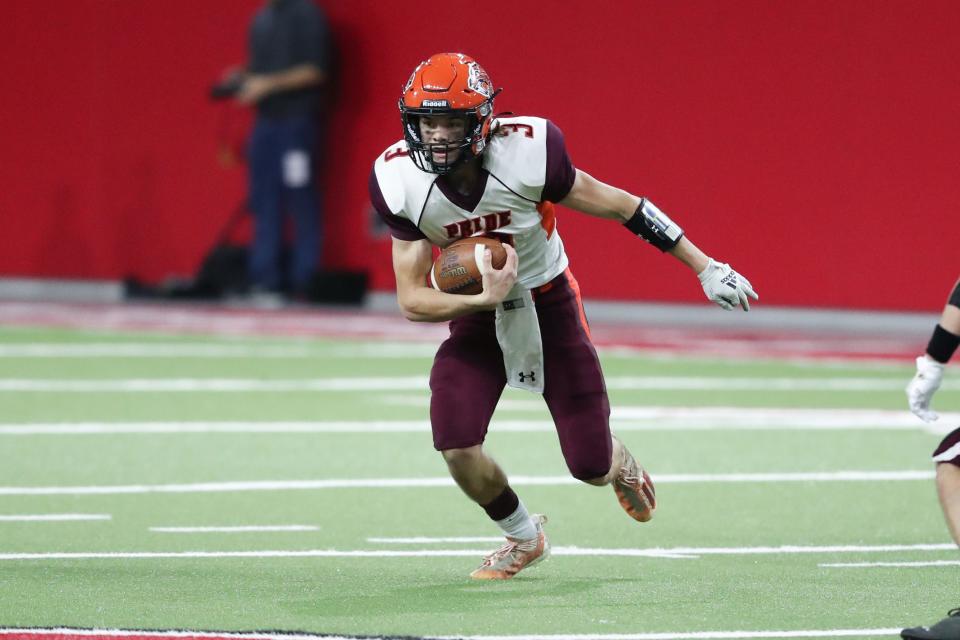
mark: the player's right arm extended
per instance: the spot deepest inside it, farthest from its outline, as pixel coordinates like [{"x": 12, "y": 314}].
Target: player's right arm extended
[{"x": 412, "y": 261}]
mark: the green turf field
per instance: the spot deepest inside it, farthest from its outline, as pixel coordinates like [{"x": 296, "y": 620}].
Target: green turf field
[{"x": 141, "y": 434}]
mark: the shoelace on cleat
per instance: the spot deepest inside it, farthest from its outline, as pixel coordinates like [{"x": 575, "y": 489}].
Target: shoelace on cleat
[
  {"x": 503, "y": 551},
  {"x": 626, "y": 478},
  {"x": 507, "y": 549}
]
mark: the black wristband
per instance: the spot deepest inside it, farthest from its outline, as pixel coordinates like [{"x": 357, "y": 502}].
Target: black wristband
[
  {"x": 654, "y": 226},
  {"x": 942, "y": 345}
]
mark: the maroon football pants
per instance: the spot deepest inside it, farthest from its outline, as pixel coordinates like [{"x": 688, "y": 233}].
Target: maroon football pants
[{"x": 468, "y": 378}]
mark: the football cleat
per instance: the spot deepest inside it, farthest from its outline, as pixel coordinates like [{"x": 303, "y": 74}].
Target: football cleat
[
  {"x": 515, "y": 555},
  {"x": 634, "y": 489},
  {"x": 946, "y": 629}
]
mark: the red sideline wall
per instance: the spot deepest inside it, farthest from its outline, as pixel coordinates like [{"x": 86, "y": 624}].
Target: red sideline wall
[{"x": 811, "y": 143}]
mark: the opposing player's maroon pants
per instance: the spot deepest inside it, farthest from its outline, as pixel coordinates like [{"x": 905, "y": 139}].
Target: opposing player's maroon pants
[
  {"x": 948, "y": 450},
  {"x": 468, "y": 377}
]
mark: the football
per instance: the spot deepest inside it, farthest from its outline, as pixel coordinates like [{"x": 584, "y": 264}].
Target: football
[{"x": 457, "y": 268}]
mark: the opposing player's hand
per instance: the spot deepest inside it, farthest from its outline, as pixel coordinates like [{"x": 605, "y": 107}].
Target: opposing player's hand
[
  {"x": 498, "y": 282},
  {"x": 725, "y": 286},
  {"x": 920, "y": 390}
]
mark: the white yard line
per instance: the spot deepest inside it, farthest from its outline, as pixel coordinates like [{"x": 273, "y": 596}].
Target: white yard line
[
  {"x": 178, "y": 385},
  {"x": 662, "y": 635},
  {"x": 387, "y": 350},
  {"x": 151, "y": 350},
  {"x": 694, "y": 635},
  {"x": 54, "y": 517},
  {"x": 382, "y": 350},
  {"x": 446, "y": 482},
  {"x": 864, "y": 565},
  {"x": 240, "y": 529},
  {"x": 402, "y": 383},
  {"x": 659, "y": 553},
  {"x": 426, "y": 540},
  {"x": 623, "y": 418}
]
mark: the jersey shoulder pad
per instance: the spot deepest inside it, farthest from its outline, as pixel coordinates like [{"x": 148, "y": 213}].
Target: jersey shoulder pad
[
  {"x": 517, "y": 155},
  {"x": 403, "y": 185}
]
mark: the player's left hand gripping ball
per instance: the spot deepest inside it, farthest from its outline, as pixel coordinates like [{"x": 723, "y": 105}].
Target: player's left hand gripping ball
[{"x": 725, "y": 286}]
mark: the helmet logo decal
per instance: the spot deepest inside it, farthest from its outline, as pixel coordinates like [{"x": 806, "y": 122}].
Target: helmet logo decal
[
  {"x": 478, "y": 80},
  {"x": 435, "y": 103}
]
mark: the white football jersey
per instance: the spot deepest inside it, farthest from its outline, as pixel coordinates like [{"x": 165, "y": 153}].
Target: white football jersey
[{"x": 519, "y": 177}]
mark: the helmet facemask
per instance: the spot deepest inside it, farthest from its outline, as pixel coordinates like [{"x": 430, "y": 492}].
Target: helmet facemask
[{"x": 463, "y": 150}]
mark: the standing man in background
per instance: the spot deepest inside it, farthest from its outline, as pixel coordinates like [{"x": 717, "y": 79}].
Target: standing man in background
[
  {"x": 943, "y": 343},
  {"x": 289, "y": 45}
]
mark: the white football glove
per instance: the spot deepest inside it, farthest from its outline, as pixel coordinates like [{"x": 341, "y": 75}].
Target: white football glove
[
  {"x": 725, "y": 286},
  {"x": 921, "y": 389}
]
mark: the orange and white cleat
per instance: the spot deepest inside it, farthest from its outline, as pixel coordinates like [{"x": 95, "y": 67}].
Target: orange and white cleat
[
  {"x": 515, "y": 555},
  {"x": 634, "y": 489}
]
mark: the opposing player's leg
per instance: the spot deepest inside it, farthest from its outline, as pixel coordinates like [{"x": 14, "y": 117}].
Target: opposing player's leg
[
  {"x": 577, "y": 397},
  {"x": 466, "y": 382},
  {"x": 947, "y": 457},
  {"x": 948, "y": 489}
]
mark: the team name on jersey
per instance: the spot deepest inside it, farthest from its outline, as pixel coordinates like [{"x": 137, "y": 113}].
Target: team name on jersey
[{"x": 487, "y": 222}]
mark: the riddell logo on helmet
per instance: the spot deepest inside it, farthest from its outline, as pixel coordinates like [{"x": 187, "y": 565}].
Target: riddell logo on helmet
[{"x": 434, "y": 103}]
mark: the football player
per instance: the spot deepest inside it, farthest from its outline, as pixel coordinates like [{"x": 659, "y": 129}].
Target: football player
[
  {"x": 943, "y": 343},
  {"x": 461, "y": 171}
]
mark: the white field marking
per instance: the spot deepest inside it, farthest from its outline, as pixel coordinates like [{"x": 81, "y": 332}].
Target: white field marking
[
  {"x": 425, "y": 540},
  {"x": 419, "y": 383},
  {"x": 662, "y": 635},
  {"x": 445, "y": 482},
  {"x": 622, "y": 419},
  {"x": 861, "y": 565},
  {"x": 690, "y": 635},
  {"x": 641, "y": 418},
  {"x": 389, "y": 350},
  {"x": 59, "y": 632},
  {"x": 152, "y": 350},
  {"x": 55, "y": 517},
  {"x": 830, "y": 356},
  {"x": 762, "y": 384},
  {"x": 242, "y": 529},
  {"x": 656, "y": 552},
  {"x": 158, "y": 385},
  {"x": 93, "y": 428}
]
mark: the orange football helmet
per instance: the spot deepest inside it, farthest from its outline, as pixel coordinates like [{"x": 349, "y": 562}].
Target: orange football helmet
[{"x": 447, "y": 84}]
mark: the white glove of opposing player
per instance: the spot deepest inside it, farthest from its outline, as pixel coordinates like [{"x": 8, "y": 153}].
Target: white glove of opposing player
[
  {"x": 920, "y": 390},
  {"x": 725, "y": 286}
]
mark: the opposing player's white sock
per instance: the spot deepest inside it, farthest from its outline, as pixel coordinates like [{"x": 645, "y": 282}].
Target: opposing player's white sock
[{"x": 518, "y": 525}]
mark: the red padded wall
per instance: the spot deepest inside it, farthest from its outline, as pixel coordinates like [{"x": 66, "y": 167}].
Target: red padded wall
[{"x": 812, "y": 144}]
